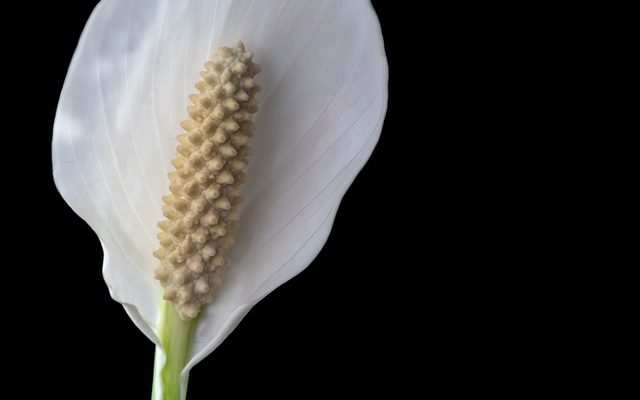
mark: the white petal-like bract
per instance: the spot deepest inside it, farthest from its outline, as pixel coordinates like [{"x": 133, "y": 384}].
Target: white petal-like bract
[{"x": 324, "y": 80}]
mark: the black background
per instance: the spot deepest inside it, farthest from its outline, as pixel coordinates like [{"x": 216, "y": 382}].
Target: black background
[{"x": 402, "y": 299}]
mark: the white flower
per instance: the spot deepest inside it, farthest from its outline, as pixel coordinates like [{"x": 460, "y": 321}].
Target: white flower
[{"x": 324, "y": 80}]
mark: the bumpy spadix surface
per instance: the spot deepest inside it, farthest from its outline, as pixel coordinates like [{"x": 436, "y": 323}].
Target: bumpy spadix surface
[
  {"x": 323, "y": 99},
  {"x": 210, "y": 164}
]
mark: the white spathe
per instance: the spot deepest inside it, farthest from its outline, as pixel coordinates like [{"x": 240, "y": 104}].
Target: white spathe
[{"x": 324, "y": 80}]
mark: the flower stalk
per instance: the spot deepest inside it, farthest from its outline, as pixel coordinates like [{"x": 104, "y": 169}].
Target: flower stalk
[{"x": 176, "y": 335}]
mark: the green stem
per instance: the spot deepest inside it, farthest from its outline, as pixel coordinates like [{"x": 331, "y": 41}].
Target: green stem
[{"x": 175, "y": 336}]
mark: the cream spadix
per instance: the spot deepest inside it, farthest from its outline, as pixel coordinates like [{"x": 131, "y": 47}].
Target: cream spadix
[{"x": 210, "y": 164}]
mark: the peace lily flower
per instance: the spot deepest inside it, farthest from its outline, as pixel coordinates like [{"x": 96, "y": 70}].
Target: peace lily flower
[{"x": 322, "y": 105}]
